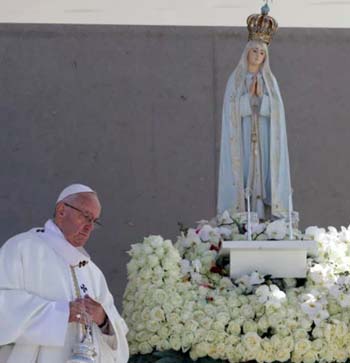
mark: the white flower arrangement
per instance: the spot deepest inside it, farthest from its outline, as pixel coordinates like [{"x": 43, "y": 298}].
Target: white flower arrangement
[{"x": 180, "y": 297}]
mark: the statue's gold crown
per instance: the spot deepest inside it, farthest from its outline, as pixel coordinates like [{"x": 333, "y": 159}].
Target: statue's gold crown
[{"x": 261, "y": 26}]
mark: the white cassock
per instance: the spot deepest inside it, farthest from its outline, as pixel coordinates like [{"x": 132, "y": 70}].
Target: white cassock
[{"x": 36, "y": 285}]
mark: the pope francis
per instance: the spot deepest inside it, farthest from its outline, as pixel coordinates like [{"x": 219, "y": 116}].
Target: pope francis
[{"x": 49, "y": 285}]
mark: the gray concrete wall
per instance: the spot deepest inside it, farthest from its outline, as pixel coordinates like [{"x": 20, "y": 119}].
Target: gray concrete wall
[{"x": 135, "y": 112}]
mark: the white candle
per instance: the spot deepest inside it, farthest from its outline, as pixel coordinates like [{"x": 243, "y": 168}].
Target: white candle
[
  {"x": 249, "y": 225},
  {"x": 290, "y": 205}
]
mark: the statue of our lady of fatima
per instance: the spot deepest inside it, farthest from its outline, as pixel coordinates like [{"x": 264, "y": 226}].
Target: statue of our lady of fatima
[{"x": 254, "y": 161}]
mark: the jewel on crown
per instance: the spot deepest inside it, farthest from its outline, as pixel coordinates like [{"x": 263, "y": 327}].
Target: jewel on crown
[{"x": 262, "y": 26}]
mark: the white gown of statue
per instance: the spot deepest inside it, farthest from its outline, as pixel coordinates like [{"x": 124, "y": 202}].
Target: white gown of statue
[
  {"x": 36, "y": 286},
  {"x": 264, "y": 171},
  {"x": 255, "y": 113}
]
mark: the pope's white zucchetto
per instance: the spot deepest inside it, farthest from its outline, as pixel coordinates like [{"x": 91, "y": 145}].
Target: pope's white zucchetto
[{"x": 74, "y": 189}]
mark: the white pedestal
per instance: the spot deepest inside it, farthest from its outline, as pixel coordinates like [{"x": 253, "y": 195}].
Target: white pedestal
[{"x": 277, "y": 258}]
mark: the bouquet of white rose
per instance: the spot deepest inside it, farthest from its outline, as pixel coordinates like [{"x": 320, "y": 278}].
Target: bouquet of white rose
[{"x": 179, "y": 298}]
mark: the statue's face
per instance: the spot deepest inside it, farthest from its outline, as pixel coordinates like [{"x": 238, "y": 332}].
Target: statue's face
[{"x": 256, "y": 56}]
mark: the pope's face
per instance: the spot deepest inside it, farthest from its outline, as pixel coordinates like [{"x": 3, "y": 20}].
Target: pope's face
[
  {"x": 256, "y": 56},
  {"x": 76, "y": 221}
]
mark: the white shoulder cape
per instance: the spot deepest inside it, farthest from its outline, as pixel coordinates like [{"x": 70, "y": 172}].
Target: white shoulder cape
[{"x": 35, "y": 289}]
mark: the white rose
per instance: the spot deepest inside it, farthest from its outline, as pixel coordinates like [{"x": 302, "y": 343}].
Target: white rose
[
  {"x": 300, "y": 334},
  {"x": 139, "y": 326},
  {"x": 263, "y": 293},
  {"x": 310, "y": 357},
  {"x": 232, "y": 340},
  {"x": 317, "y": 332},
  {"x": 288, "y": 343},
  {"x": 225, "y": 232},
  {"x": 276, "y": 230},
  {"x": 147, "y": 273},
  {"x": 341, "y": 329},
  {"x": 191, "y": 239},
  {"x": 313, "y": 232},
  {"x": 291, "y": 324},
  {"x": 185, "y": 266},
  {"x": 167, "y": 244},
  {"x": 157, "y": 314},
  {"x": 275, "y": 318},
  {"x": 163, "y": 345},
  {"x": 159, "y": 296},
  {"x": 223, "y": 317},
  {"x": 147, "y": 250},
  {"x": 220, "y": 349},
  {"x": 206, "y": 322},
  {"x": 191, "y": 325},
  {"x": 344, "y": 300},
  {"x": 175, "y": 342},
  {"x": 200, "y": 335},
  {"x": 153, "y": 326},
  {"x": 163, "y": 332},
  {"x": 206, "y": 232},
  {"x": 226, "y": 283},
  {"x": 133, "y": 348},
  {"x": 220, "y": 301},
  {"x": 210, "y": 310},
  {"x": 305, "y": 323},
  {"x": 269, "y": 357},
  {"x": 145, "y": 348},
  {"x": 193, "y": 355},
  {"x": 326, "y": 354},
  {"x": 250, "y": 326},
  {"x": 211, "y": 336},
  {"x": 263, "y": 324},
  {"x": 176, "y": 299},
  {"x": 218, "y": 326},
  {"x": 145, "y": 314},
  {"x": 267, "y": 345},
  {"x": 276, "y": 342},
  {"x": 302, "y": 346},
  {"x": 142, "y": 336},
  {"x": 224, "y": 218},
  {"x": 251, "y": 341},
  {"x": 235, "y": 312},
  {"x": 154, "y": 340},
  {"x": 282, "y": 329},
  {"x": 340, "y": 355},
  {"x": 333, "y": 307},
  {"x": 329, "y": 332},
  {"x": 317, "y": 345},
  {"x": 234, "y": 328},
  {"x": 132, "y": 267},
  {"x": 187, "y": 339},
  {"x": 282, "y": 355},
  {"x": 233, "y": 301},
  {"x": 241, "y": 351},
  {"x": 155, "y": 241},
  {"x": 160, "y": 252},
  {"x": 260, "y": 356},
  {"x": 247, "y": 311},
  {"x": 201, "y": 349}
]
